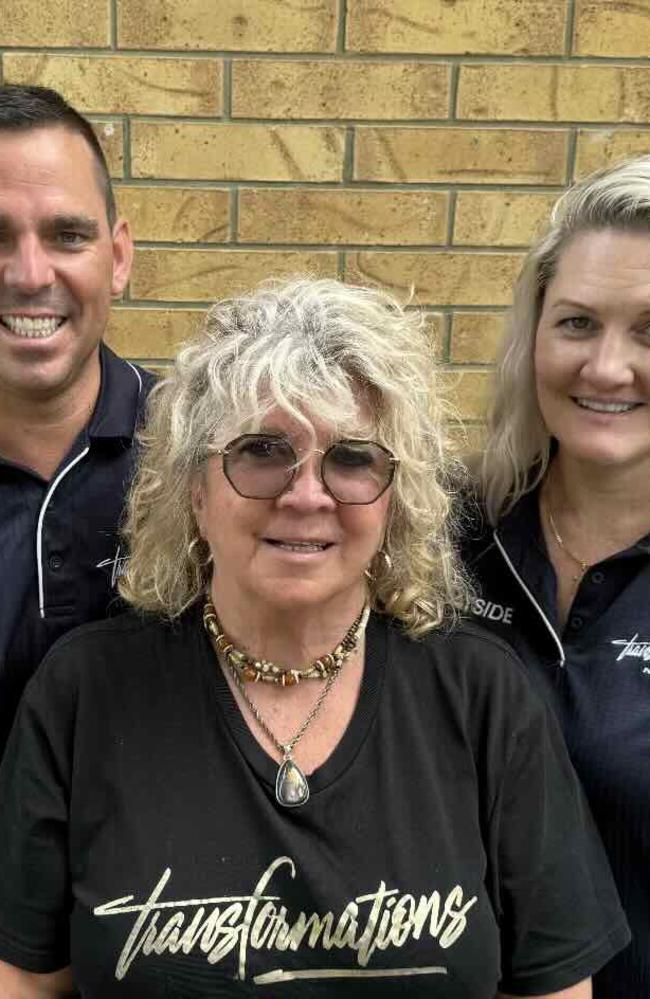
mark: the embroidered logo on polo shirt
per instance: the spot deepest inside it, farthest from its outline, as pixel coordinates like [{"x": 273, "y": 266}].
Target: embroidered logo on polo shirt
[
  {"x": 117, "y": 565},
  {"x": 492, "y": 611},
  {"x": 634, "y": 649}
]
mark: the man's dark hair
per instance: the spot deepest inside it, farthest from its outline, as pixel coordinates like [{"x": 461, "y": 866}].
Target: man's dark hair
[{"x": 26, "y": 107}]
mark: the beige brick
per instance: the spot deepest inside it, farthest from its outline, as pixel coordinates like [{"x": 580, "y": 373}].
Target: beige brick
[
  {"x": 244, "y": 25},
  {"x": 612, "y": 28},
  {"x": 111, "y": 138},
  {"x": 439, "y": 278},
  {"x": 601, "y": 148},
  {"x": 179, "y": 150},
  {"x": 328, "y": 89},
  {"x": 52, "y": 24},
  {"x": 517, "y": 27},
  {"x": 145, "y": 333},
  {"x": 475, "y": 337},
  {"x": 435, "y": 328},
  {"x": 468, "y": 392},
  {"x": 495, "y": 155},
  {"x": 500, "y": 218},
  {"x": 177, "y": 214},
  {"x": 554, "y": 93},
  {"x": 207, "y": 275},
  {"x": 124, "y": 84},
  {"x": 365, "y": 217}
]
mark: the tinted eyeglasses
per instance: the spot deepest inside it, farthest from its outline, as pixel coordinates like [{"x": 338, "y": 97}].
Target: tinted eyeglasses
[{"x": 262, "y": 466}]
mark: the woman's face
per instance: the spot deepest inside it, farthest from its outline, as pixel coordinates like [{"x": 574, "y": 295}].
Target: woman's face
[
  {"x": 592, "y": 350},
  {"x": 300, "y": 550}
]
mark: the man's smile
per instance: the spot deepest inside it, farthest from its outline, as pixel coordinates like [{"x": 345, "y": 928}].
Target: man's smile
[{"x": 32, "y": 327}]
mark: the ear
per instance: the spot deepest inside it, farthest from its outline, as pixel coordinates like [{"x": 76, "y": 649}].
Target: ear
[{"x": 122, "y": 256}]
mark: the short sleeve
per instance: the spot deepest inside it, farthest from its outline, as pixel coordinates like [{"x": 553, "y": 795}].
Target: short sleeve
[
  {"x": 34, "y": 798},
  {"x": 558, "y": 909}
]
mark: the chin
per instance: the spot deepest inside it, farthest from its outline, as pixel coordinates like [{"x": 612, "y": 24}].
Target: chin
[
  {"x": 294, "y": 598},
  {"x": 302, "y": 595},
  {"x": 605, "y": 454}
]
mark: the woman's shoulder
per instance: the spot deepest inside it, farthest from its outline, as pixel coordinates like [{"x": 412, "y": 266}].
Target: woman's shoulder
[
  {"x": 128, "y": 642},
  {"x": 130, "y": 626},
  {"x": 465, "y": 653},
  {"x": 479, "y": 654}
]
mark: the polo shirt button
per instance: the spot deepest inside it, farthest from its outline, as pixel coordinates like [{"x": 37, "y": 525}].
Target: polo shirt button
[
  {"x": 576, "y": 622},
  {"x": 55, "y": 562},
  {"x": 598, "y": 576}
]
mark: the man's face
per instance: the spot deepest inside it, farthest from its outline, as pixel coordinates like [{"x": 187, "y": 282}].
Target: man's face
[{"x": 59, "y": 262}]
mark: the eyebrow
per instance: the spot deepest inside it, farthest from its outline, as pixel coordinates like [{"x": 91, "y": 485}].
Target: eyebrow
[
  {"x": 569, "y": 303},
  {"x": 269, "y": 432},
  {"x": 83, "y": 223},
  {"x": 59, "y": 223}
]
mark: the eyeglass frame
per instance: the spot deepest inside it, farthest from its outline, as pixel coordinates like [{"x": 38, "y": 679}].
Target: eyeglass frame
[{"x": 225, "y": 451}]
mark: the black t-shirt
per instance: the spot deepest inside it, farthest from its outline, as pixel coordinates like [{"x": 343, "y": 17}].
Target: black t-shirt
[{"x": 445, "y": 848}]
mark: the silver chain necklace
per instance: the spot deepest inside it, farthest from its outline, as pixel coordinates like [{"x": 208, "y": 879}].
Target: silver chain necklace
[{"x": 291, "y": 787}]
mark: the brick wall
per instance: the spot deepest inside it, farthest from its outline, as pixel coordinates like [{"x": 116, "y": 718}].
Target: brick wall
[{"x": 411, "y": 142}]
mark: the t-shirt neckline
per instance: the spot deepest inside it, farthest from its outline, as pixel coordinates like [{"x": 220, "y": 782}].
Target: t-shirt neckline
[{"x": 229, "y": 713}]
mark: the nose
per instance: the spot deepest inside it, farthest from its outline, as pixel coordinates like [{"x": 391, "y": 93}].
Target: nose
[
  {"x": 306, "y": 491},
  {"x": 28, "y": 267},
  {"x": 609, "y": 362}
]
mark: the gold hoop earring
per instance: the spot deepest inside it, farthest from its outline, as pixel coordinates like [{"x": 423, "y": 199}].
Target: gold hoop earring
[
  {"x": 190, "y": 549},
  {"x": 386, "y": 560}
]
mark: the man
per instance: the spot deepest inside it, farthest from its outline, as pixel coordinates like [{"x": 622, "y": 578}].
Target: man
[{"x": 68, "y": 406}]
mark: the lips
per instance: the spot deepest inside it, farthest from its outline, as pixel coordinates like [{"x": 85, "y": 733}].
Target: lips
[
  {"x": 611, "y": 406},
  {"x": 293, "y": 545},
  {"x": 32, "y": 327}
]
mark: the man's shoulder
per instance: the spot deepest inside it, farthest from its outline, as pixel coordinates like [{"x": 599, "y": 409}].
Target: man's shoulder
[
  {"x": 123, "y": 393},
  {"x": 146, "y": 378},
  {"x": 142, "y": 378}
]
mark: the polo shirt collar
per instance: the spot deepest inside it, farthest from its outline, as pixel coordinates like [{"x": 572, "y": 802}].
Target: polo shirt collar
[
  {"x": 521, "y": 528},
  {"x": 116, "y": 411}
]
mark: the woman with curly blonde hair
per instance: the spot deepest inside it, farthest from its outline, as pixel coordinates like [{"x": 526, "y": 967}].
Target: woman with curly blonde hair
[
  {"x": 292, "y": 766},
  {"x": 562, "y": 553}
]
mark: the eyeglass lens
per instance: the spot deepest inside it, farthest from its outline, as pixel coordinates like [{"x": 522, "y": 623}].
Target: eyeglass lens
[{"x": 261, "y": 467}]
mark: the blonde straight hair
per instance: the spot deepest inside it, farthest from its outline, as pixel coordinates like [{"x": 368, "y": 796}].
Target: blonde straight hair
[{"x": 518, "y": 445}]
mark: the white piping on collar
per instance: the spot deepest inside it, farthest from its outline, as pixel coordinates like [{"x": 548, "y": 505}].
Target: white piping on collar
[
  {"x": 530, "y": 596},
  {"x": 44, "y": 505},
  {"x": 137, "y": 375},
  {"x": 39, "y": 527}
]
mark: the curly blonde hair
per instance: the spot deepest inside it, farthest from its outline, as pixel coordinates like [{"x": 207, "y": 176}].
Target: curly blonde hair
[
  {"x": 518, "y": 446},
  {"x": 308, "y": 346}
]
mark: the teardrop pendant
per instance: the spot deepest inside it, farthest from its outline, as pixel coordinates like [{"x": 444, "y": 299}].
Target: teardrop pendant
[{"x": 291, "y": 787}]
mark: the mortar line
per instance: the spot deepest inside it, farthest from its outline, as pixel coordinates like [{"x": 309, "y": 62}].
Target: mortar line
[
  {"x": 570, "y": 28},
  {"x": 341, "y": 31},
  {"x": 113, "y": 25}
]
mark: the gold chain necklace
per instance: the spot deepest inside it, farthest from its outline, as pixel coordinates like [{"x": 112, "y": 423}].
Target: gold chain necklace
[
  {"x": 567, "y": 551},
  {"x": 291, "y": 787}
]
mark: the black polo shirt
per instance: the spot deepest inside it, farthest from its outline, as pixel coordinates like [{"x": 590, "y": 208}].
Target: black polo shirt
[
  {"x": 60, "y": 554},
  {"x": 596, "y": 673}
]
